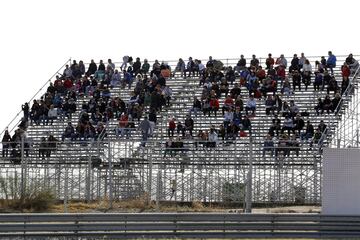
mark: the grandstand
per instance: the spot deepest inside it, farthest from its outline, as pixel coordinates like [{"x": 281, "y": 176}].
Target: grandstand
[{"x": 235, "y": 171}]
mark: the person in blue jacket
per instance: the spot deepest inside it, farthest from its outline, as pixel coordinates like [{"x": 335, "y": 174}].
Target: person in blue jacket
[{"x": 331, "y": 62}]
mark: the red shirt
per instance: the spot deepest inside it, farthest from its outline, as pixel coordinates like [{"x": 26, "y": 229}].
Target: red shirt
[
  {"x": 68, "y": 84},
  {"x": 172, "y": 124},
  {"x": 229, "y": 102},
  {"x": 345, "y": 71},
  {"x": 281, "y": 72},
  {"x": 123, "y": 121},
  {"x": 214, "y": 103}
]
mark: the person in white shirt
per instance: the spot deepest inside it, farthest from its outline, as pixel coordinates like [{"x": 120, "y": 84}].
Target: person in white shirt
[
  {"x": 307, "y": 71},
  {"x": 250, "y": 105},
  {"x": 52, "y": 114}
]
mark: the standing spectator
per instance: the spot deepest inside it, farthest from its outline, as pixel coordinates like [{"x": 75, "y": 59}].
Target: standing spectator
[
  {"x": 189, "y": 124},
  {"x": 306, "y": 73},
  {"x": 26, "y": 109},
  {"x": 137, "y": 66},
  {"x": 269, "y": 105},
  {"x": 190, "y": 67},
  {"x": 6, "y": 143},
  {"x": 43, "y": 148},
  {"x": 152, "y": 120},
  {"x": 144, "y": 127},
  {"x": 294, "y": 64},
  {"x": 268, "y": 145}
]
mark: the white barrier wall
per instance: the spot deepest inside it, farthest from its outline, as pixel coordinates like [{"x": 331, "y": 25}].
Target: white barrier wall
[{"x": 341, "y": 181}]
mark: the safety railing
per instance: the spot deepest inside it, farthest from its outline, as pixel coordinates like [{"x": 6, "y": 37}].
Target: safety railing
[
  {"x": 16, "y": 120},
  {"x": 178, "y": 225},
  {"x": 344, "y": 98}
]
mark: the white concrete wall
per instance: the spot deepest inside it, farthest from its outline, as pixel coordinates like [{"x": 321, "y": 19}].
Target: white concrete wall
[{"x": 341, "y": 181}]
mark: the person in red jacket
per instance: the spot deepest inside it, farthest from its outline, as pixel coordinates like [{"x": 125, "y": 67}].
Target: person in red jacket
[
  {"x": 171, "y": 128},
  {"x": 228, "y": 104},
  {"x": 68, "y": 84},
  {"x": 214, "y": 106},
  {"x": 345, "y": 71}
]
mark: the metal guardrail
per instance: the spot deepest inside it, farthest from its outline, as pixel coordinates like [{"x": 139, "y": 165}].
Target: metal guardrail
[{"x": 177, "y": 225}]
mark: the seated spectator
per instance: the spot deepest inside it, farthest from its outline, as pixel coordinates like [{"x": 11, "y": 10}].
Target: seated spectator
[
  {"x": 288, "y": 125},
  {"x": 214, "y": 105},
  {"x": 275, "y": 127},
  {"x": 269, "y": 85},
  {"x": 270, "y": 105},
  {"x": 196, "y": 106},
  {"x": 52, "y": 114},
  {"x": 239, "y": 104},
  {"x": 309, "y": 132},
  {"x": 298, "y": 123},
  {"x": 293, "y": 145},
  {"x": 331, "y": 62},
  {"x": 286, "y": 89},
  {"x": 268, "y": 145},
  {"x": 224, "y": 87},
  {"x": 230, "y": 75},
  {"x": 228, "y": 104},
  {"x": 327, "y": 105},
  {"x": 231, "y": 132},
  {"x": 285, "y": 111},
  {"x": 269, "y": 61},
  {"x": 69, "y": 132},
  {"x": 326, "y": 80},
  {"x": 180, "y": 129},
  {"x": 294, "y": 109},
  {"x": 319, "y": 106},
  {"x": 235, "y": 91},
  {"x": 241, "y": 64},
  {"x": 294, "y": 64},
  {"x": 228, "y": 117},
  {"x": 316, "y": 138},
  {"x": 246, "y": 124},
  {"x": 190, "y": 67},
  {"x": 123, "y": 122},
  {"x": 250, "y": 105},
  {"x": 322, "y": 126},
  {"x": 333, "y": 86},
  {"x": 281, "y": 61},
  {"x": 335, "y": 102},
  {"x": 213, "y": 138},
  {"x": 169, "y": 147},
  {"x": 282, "y": 145},
  {"x": 52, "y": 145},
  {"x": 145, "y": 67}
]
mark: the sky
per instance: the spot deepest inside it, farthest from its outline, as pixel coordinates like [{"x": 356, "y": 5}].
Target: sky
[{"x": 38, "y": 36}]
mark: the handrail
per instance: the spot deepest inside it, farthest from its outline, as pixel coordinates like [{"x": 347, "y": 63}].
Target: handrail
[
  {"x": 41, "y": 88},
  {"x": 178, "y": 225},
  {"x": 337, "y": 109}
]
